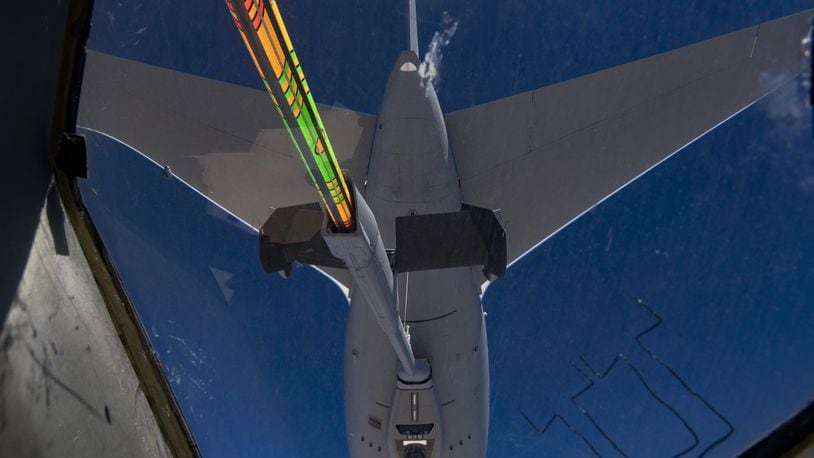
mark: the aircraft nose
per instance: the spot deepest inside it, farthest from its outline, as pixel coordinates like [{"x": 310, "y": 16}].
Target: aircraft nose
[
  {"x": 405, "y": 73},
  {"x": 407, "y": 94}
]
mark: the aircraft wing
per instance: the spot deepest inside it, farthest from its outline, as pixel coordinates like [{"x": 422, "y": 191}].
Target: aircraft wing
[
  {"x": 546, "y": 156},
  {"x": 225, "y": 140}
]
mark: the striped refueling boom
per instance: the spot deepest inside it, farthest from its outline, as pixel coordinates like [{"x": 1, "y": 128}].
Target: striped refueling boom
[{"x": 263, "y": 31}]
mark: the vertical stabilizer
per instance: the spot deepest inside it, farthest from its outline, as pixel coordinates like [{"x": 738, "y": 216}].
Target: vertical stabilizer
[{"x": 412, "y": 27}]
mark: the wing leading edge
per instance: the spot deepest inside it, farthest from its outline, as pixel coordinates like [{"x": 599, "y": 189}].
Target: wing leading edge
[
  {"x": 546, "y": 156},
  {"x": 225, "y": 140}
]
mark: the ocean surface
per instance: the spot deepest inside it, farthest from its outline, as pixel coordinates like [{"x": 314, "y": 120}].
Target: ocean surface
[{"x": 673, "y": 319}]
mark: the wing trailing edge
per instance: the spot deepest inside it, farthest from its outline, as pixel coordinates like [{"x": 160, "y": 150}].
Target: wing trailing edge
[{"x": 546, "y": 156}]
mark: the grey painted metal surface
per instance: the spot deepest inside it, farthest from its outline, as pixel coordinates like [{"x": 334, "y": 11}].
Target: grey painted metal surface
[
  {"x": 542, "y": 157},
  {"x": 363, "y": 253},
  {"x": 224, "y": 140},
  {"x": 564, "y": 147},
  {"x": 67, "y": 387},
  {"x": 470, "y": 237},
  {"x": 412, "y": 172},
  {"x": 546, "y": 156},
  {"x": 412, "y": 26},
  {"x": 446, "y": 327},
  {"x": 411, "y": 169}
]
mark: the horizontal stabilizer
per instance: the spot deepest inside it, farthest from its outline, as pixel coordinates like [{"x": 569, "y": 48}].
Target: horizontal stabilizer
[
  {"x": 294, "y": 234},
  {"x": 470, "y": 237}
]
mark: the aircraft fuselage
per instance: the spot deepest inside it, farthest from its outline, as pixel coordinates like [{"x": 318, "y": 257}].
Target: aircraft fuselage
[{"x": 412, "y": 171}]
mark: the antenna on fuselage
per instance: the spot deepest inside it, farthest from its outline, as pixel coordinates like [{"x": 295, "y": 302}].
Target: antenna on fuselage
[{"x": 412, "y": 27}]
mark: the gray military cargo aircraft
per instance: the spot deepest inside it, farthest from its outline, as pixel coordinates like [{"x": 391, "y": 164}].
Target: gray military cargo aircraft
[{"x": 444, "y": 202}]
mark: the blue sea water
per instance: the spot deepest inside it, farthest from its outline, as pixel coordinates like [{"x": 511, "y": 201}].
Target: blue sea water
[{"x": 674, "y": 318}]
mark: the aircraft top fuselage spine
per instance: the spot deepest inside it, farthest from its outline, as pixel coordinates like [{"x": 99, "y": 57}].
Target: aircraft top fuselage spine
[{"x": 412, "y": 172}]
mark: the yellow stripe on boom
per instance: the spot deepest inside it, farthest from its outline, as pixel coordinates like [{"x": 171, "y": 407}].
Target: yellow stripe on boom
[{"x": 264, "y": 33}]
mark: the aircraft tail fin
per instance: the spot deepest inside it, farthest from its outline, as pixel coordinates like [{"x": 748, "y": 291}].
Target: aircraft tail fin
[{"x": 412, "y": 27}]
